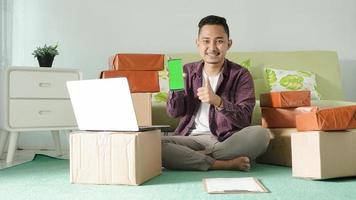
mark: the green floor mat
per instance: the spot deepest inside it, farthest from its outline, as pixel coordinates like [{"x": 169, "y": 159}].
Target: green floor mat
[{"x": 48, "y": 178}]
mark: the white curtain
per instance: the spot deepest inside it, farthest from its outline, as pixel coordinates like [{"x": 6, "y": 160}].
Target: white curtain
[{"x": 5, "y": 32}]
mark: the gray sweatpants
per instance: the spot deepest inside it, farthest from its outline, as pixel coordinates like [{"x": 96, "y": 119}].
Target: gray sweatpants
[{"x": 199, "y": 152}]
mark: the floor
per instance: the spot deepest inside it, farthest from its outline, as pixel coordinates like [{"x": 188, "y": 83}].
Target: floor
[
  {"x": 48, "y": 178},
  {"x": 23, "y": 156}
]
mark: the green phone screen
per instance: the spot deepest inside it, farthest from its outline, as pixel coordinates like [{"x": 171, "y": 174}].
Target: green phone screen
[{"x": 176, "y": 80}]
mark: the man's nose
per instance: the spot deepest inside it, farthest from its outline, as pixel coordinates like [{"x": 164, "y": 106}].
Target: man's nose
[{"x": 212, "y": 45}]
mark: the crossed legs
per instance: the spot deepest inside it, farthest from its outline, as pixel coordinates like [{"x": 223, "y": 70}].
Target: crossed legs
[{"x": 204, "y": 152}]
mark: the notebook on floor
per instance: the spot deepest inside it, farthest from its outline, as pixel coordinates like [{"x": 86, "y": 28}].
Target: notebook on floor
[{"x": 104, "y": 105}]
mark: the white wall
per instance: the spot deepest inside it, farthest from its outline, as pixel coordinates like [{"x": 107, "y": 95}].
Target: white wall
[{"x": 88, "y": 31}]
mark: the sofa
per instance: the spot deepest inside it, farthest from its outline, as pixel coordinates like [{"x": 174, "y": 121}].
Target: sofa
[{"x": 324, "y": 64}]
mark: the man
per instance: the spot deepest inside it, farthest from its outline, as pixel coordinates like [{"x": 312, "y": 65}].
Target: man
[{"x": 215, "y": 109}]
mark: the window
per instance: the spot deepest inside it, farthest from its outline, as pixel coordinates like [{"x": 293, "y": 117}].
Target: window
[{"x": 5, "y": 32}]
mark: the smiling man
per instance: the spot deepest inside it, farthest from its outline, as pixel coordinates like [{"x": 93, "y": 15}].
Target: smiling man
[{"x": 215, "y": 108}]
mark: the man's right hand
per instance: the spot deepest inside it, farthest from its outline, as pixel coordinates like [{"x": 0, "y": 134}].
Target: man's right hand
[{"x": 207, "y": 95}]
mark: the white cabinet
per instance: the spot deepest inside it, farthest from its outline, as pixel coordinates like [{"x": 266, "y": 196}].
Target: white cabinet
[{"x": 33, "y": 99}]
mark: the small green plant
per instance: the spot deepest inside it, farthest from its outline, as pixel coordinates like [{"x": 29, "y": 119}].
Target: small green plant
[
  {"x": 246, "y": 64},
  {"x": 45, "y": 51}
]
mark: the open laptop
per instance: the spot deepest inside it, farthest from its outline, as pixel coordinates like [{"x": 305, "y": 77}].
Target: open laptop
[{"x": 104, "y": 105}]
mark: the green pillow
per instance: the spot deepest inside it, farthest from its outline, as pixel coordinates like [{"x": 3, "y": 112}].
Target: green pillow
[{"x": 289, "y": 80}]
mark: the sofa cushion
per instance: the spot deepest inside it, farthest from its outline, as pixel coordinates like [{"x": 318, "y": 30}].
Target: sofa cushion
[
  {"x": 291, "y": 80},
  {"x": 323, "y": 63}
]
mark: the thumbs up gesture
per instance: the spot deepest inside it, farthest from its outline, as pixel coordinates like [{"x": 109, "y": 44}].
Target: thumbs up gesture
[{"x": 207, "y": 95}]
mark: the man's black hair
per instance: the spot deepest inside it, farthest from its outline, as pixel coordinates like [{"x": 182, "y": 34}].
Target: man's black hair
[{"x": 214, "y": 20}]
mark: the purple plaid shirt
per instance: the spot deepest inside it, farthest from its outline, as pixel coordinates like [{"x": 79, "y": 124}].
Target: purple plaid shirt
[{"x": 235, "y": 87}]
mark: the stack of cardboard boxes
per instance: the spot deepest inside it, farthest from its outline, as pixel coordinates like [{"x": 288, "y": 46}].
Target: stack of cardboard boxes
[
  {"x": 317, "y": 143},
  {"x": 279, "y": 110},
  {"x": 122, "y": 157},
  {"x": 141, "y": 71},
  {"x": 324, "y": 147}
]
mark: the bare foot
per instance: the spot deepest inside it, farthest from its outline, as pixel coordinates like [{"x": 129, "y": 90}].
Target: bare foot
[{"x": 240, "y": 163}]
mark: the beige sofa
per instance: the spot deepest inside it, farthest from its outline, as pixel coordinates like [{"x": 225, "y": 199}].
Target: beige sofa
[{"x": 324, "y": 64}]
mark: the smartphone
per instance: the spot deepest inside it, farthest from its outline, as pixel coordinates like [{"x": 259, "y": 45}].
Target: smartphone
[{"x": 176, "y": 80}]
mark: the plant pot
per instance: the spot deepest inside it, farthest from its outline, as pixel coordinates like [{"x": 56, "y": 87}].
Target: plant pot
[{"x": 45, "y": 61}]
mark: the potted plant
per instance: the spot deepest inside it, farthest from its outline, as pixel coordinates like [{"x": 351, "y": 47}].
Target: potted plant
[{"x": 45, "y": 55}]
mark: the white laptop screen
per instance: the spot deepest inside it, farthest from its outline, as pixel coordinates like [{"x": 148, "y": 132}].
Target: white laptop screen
[{"x": 103, "y": 104}]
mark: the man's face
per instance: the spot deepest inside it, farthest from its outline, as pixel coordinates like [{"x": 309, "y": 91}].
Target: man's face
[{"x": 213, "y": 44}]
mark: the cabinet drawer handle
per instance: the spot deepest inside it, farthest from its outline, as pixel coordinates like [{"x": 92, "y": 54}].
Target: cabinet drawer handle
[
  {"x": 45, "y": 84},
  {"x": 44, "y": 112}
]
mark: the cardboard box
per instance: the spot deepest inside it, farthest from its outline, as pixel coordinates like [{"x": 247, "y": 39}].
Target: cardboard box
[
  {"x": 142, "y": 103},
  {"x": 324, "y": 155},
  {"x": 146, "y": 62},
  {"x": 353, "y": 122},
  {"x": 285, "y": 99},
  {"x": 279, "y": 149},
  {"x": 114, "y": 157},
  {"x": 139, "y": 81},
  {"x": 328, "y": 119},
  {"x": 282, "y": 117}
]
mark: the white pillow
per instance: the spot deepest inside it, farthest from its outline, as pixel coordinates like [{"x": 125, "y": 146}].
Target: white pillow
[{"x": 289, "y": 80}]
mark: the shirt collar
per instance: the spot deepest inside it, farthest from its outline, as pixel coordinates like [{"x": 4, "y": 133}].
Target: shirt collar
[{"x": 199, "y": 69}]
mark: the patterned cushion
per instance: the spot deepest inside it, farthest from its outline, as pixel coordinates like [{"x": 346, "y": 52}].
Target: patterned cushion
[{"x": 287, "y": 80}]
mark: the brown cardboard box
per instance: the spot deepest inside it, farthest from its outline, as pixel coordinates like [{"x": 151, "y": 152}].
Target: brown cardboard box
[
  {"x": 114, "y": 157},
  {"x": 282, "y": 117},
  {"x": 139, "y": 81},
  {"x": 146, "y": 62},
  {"x": 328, "y": 119},
  {"x": 353, "y": 122},
  {"x": 143, "y": 108},
  {"x": 323, "y": 155},
  {"x": 279, "y": 148},
  {"x": 285, "y": 99}
]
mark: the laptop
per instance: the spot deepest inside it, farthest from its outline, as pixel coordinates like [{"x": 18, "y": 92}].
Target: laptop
[{"x": 104, "y": 105}]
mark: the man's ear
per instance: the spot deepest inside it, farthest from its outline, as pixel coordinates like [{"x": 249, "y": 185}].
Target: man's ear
[
  {"x": 197, "y": 42},
  {"x": 229, "y": 44}
]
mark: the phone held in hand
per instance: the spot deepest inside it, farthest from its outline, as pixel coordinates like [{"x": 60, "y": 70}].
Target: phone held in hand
[{"x": 176, "y": 80}]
